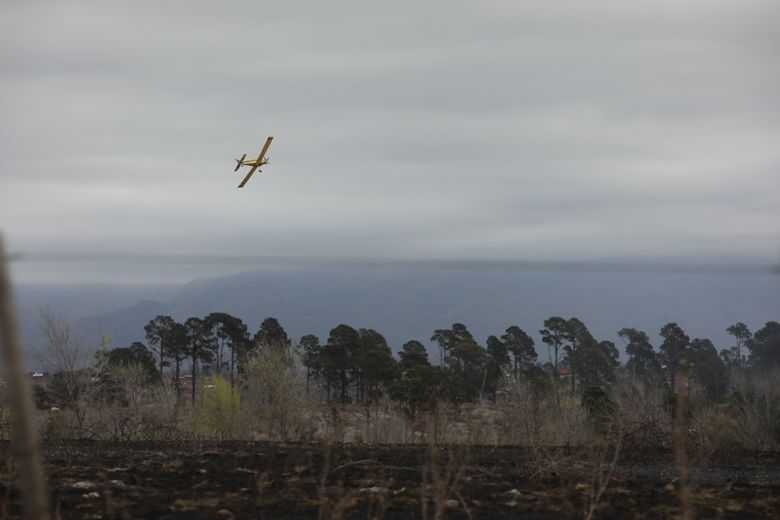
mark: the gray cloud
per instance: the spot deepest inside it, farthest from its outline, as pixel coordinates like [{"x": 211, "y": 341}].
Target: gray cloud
[{"x": 408, "y": 128}]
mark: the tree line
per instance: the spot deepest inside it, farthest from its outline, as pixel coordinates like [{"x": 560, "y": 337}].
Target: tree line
[{"x": 358, "y": 366}]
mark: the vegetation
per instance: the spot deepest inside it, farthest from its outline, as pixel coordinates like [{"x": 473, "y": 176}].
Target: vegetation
[
  {"x": 572, "y": 415},
  {"x": 220, "y": 409},
  {"x": 264, "y": 385}
]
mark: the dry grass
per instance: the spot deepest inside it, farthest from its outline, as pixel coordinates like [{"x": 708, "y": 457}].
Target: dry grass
[
  {"x": 442, "y": 475},
  {"x": 603, "y": 457}
]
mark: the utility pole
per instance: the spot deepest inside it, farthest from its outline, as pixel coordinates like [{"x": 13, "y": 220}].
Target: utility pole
[{"x": 24, "y": 437}]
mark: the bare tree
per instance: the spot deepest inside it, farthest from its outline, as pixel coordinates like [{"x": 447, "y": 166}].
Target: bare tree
[
  {"x": 70, "y": 361},
  {"x": 65, "y": 350},
  {"x": 275, "y": 387}
]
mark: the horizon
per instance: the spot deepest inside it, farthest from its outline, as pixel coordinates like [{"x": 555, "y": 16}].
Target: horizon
[{"x": 143, "y": 269}]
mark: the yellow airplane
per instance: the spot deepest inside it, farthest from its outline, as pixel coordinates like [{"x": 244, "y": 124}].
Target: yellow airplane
[{"x": 255, "y": 164}]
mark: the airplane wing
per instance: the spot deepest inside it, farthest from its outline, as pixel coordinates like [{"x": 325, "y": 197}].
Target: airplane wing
[
  {"x": 248, "y": 175},
  {"x": 265, "y": 149}
]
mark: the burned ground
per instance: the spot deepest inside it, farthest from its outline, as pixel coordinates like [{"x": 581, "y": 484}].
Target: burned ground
[{"x": 272, "y": 480}]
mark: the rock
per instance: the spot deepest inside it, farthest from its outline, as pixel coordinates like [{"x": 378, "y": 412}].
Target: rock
[
  {"x": 84, "y": 484},
  {"x": 211, "y": 453},
  {"x": 374, "y": 489}
]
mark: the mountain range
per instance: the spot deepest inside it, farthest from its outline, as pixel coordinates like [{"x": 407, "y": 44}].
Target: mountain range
[{"x": 405, "y": 304}]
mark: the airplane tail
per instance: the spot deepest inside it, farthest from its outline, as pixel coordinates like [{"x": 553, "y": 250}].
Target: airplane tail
[{"x": 239, "y": 161}]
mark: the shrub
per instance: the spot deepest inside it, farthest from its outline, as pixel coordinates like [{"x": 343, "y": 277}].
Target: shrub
[
  {"x": 755, "y": 412},
  {"x": 642, "y": 404},
  {"x": 275, "y": 394},
  {"x": 219, "y": 411}
]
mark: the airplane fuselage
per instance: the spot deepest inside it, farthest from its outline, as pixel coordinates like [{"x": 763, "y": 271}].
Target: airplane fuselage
[{"x": 254, "y": 162}]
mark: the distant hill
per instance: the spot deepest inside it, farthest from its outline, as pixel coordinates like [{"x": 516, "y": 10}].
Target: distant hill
[
  {"x": 406, "y": 304},
  {"x": 123, "y": 325},
  {"x": 91, "y": 308}
]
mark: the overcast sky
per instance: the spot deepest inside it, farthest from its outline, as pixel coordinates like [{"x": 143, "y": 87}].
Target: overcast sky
[{"x": 483, "y": 129}]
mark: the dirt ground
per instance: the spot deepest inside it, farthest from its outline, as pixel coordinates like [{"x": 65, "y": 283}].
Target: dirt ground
[{"x": 271, "y": 480}]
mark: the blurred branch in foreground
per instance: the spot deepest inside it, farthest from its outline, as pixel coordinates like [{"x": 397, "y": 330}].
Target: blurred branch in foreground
[{"x": 24, "y": 437}]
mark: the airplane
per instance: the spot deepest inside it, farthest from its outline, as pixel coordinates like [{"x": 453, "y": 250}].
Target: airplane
[{"x": 255, "y": 163}]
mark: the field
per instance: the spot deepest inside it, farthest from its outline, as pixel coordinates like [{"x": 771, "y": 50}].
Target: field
[{"x": 310, "y": 480}]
